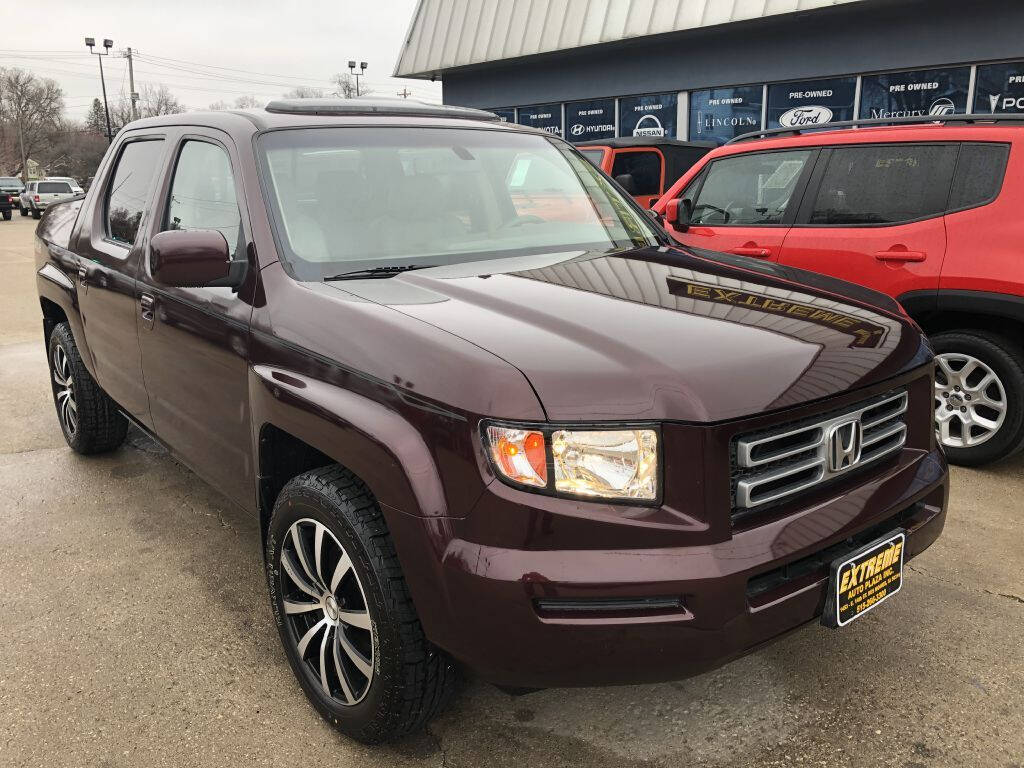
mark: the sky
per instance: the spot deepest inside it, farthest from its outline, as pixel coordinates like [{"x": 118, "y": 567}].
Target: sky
[{"x": 210, "y": 50}]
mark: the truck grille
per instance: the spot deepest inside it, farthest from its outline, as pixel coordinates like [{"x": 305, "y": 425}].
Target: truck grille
[{"x": 774, "y": 465}]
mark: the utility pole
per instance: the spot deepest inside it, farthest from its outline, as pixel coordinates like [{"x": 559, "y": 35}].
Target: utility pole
[
  {"x": 405, "y": 93},
  {"x": 131, "y": 86},
  {"x": 107, "y": 45},
  {"x": 357, "y": 75}
]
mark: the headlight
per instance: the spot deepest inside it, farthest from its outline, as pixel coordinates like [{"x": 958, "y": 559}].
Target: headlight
[{"x": 607, "y": 463}]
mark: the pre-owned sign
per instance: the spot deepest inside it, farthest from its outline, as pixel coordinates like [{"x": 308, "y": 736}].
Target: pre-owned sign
[
  {"x": 720, "y": 114},
  {"x": 586, "y": 120},
  {"x": 811, "y": 102},
  {"x": 913, "y": 94},
  {"x": 1000, "y": 88},
  {"x": 547, "y": 117},
  {"x": 651, "y": 115}
]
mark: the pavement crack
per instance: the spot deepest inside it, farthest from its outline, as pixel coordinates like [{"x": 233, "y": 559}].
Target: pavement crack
[
  {"x": 1007, "y": 595},
  {"x": 437, "y": 743}
]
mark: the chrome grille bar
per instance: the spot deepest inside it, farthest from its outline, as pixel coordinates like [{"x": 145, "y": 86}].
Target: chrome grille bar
[{"x": 775, "y": 465}]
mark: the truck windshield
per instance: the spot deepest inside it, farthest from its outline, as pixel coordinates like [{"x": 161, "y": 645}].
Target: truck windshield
[{"x": 347, "y": 199}]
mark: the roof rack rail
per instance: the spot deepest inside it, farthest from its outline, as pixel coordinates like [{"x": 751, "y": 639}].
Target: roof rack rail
[
  {"x": 922, "y": 120},
  {"x": 377, "y": 107}
]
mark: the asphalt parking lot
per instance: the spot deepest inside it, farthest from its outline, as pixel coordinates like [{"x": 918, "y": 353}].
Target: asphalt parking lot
[{"x": 134, "y": 630}]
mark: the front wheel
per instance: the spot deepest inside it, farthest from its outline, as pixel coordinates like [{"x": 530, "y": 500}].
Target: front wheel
[
  {"x": 979, "y": 396},
  {"x": 89, "y": 419},
  {"x": 344, "y": 613},
  {"x": 24, "y": 210},
  {"x": 8, "y": 213},
  {"x": 36, "y": 213}
]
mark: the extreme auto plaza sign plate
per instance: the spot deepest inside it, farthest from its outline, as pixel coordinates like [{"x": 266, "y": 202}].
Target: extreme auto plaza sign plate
[{"x": 865, "y": 579}]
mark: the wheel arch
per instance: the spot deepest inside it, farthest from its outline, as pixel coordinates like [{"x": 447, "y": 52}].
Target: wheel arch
[
  {"x": 301, "y": 423},
  {"x": 953, "y": 310}
]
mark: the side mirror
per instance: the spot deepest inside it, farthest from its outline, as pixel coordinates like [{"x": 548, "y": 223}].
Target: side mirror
[
  {"x": 197, "y": 258},
  {"x": 678, "y": 212},
  {"x": 625, "y": 180}
]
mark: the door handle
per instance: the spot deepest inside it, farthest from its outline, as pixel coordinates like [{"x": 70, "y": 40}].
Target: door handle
[
  {"x": 147, "y": 302},
  {"x": 900, "y": 253},
  {"x": 83, "y": 273},
  {"x": 756, "y": 252}
]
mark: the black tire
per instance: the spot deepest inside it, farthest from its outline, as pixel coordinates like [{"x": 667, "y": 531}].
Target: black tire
[
  {"x": 412, "y": 679},
  {"x": 36, "y": 213},
  {"x": 24, "y": 210},
  {"x": 1005, "y": 359},
  {"x": 98, "y": 426},
  {"x": 8, "y": 214}
]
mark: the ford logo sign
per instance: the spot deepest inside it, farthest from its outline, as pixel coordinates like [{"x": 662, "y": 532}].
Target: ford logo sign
[{"x": 798, "y": 117}]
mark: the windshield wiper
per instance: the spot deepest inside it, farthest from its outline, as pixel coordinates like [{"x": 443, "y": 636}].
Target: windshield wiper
[{"x": 389, "y": 270}]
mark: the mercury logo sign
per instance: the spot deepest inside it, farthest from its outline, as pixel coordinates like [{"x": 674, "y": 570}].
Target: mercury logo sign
[
  {"x": 649, "y": 125},
  {"x": 942, "y": 107},
  {"x": 797, "y": 117}
]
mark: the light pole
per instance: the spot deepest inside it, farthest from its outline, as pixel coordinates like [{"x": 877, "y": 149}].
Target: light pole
[
  {"x": 107, "y": 45},
  {"x": 357, "y": 75}
]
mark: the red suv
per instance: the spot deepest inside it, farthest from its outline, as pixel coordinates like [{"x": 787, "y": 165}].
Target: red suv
[{"x": 929, "y": 214}]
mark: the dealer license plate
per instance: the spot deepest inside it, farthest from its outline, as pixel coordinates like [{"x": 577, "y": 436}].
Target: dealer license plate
[{"x": 863, "y": 580}]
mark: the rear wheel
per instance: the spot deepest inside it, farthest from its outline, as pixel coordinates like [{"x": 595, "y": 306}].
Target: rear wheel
[
  {"x": 36, "y": 213},
  {"x": 979, "y": 396},
  {"x": 8, "y": 213},
  {"x": 24, "y": 210},
  {"x": 344, "y": 613},
  {"x": 89, "y": 419}
]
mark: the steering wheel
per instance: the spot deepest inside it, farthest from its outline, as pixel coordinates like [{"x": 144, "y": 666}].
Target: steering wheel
[
  {"x": 708, "y": 207},
  {"x": 519, "y": 221}
]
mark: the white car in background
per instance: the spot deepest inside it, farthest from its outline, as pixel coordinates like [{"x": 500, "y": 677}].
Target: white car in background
[
  {"x": 75, "y": 186},
  {"x": 39, "y": 195}
]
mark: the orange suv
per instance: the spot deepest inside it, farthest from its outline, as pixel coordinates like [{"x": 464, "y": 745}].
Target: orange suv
[{"x": 926, "y": 212}]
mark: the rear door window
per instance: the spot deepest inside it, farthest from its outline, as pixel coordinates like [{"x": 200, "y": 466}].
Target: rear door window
[
  {"x": 749, "y": 189},
  {"x": 979, "y": 175},
  {"x": 884, "y": 184},
  {"x": 128, "y": 190},
  {"x": 644, "y": 167}
]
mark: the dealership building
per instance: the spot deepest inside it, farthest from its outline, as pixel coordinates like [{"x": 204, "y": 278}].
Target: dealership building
[{"x": 713, "y": 69}]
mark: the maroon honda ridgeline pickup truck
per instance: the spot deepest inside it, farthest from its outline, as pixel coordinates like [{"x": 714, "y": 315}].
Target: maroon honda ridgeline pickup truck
[{"x": 482, "y": 407}]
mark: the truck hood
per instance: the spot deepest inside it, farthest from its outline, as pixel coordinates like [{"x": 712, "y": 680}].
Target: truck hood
[{"x": 662, "y": 333}]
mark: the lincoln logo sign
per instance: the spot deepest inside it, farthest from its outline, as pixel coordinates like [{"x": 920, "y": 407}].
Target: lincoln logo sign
[
  {"x": 844, "y": 444},
  {"x": 798, "y": 117}
]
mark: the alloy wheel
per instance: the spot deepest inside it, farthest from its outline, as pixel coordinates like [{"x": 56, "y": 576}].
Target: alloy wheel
[
  {"x": 970, "y": 401},
  {"x": 326, "y": 610},
  {"x": 64, "y": 391}
]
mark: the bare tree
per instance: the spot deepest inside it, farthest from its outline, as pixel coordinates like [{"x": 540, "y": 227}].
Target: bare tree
[
  {"x": 305, "y": 92},
  {"x": 219, "y": 106},
  {"x": 34, "y": 106},
  {"x": 249, "y": 102},
  {"x": 345, "y": 86},
  {"x": 154, "y": 100},
  {"x": 73, "y": 149}
]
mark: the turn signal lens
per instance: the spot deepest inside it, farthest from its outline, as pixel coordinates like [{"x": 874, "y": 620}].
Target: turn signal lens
[
  {"x": 519, "y": 455},
  {"x": 614, "y": 464}
]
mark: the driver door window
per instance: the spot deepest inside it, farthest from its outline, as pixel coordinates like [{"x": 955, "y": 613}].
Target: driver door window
[
  {"x": 749, "y": 190},
  {"x": 203, "y": 193},
  {"x": 742, "y": 205}
]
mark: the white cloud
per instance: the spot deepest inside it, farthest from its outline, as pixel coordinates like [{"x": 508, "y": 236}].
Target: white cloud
[{"x": 273, "y": 45}]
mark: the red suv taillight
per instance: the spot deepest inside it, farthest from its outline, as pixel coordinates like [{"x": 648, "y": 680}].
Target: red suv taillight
[{"x": 36, "y": 198}]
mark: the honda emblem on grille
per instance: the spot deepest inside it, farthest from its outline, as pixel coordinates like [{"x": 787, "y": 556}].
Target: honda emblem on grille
[{"x": 844, "y": 443}]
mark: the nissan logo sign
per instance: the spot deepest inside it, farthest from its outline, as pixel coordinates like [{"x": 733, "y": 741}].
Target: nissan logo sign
[
  {"x": 649, "y": 125},
  {"x": 798, "y": 117}
]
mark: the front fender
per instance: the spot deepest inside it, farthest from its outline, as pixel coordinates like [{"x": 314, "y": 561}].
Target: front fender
[{"x": 370, "y": 439}]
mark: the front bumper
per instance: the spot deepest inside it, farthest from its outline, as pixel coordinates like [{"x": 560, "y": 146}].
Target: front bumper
[{"x": 497, "y": 609}]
